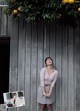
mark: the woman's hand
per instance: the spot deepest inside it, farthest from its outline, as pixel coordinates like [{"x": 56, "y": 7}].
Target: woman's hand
[
  {"x": 50, "y": 91},
  {"x": 48, "y": 95},
  {"x": 44, "y": 94}
]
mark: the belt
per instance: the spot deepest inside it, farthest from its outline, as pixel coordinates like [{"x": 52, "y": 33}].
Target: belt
[{"x": 47, "y": 84}]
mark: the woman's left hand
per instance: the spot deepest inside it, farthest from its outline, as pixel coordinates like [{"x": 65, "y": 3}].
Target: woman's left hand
[{"x": 48, "y": 95}]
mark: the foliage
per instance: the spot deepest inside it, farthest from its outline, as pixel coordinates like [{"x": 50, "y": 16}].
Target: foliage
[{"x": 50, "y": 10}]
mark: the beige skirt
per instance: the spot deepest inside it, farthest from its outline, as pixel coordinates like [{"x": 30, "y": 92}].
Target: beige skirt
[{"x": 42, "y": 99}]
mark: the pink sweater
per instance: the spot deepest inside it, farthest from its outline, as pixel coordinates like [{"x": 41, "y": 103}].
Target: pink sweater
[{"x": 45, "y": 78}]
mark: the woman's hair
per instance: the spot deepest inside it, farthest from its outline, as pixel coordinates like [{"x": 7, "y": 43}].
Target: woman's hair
[
  {"x": 48, "y": 58},
  {"x": 14, "y": 94}
]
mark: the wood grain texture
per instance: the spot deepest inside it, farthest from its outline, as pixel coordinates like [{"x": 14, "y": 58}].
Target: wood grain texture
[
  {"x": 34, "y": 67},
  {"x": 3, "y": 22},
  {"x": 70, "y": 71},
  {"x": 58, "y": 63},
  {"x": 40, "y": 50},
  {"x": 13, "y": 76},
  {"x": 46, "y": 40},
  {"x": 28, "y": 68},
  {"x": 64, "y": 69},
  {"x": 21, "y": 60},
  {"x": 13, "y": 54}
]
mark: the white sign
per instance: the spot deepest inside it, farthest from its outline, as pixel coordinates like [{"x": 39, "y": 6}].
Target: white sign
[
  {"x": 14, "y": 99},
  {"x": 3, "y": 3}
]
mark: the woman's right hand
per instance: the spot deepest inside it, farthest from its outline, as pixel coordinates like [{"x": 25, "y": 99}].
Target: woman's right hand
[{"x": 44, "y": 94}]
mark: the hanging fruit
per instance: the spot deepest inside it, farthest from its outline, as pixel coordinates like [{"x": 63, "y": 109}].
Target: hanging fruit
[
  {"x": 71, "y": 1},
  {"x": 15, "y": 11},
  {"x": 65, "y": 1},
  {"x": 20, "y": 9},
  {"x": 79, "y": 9}
]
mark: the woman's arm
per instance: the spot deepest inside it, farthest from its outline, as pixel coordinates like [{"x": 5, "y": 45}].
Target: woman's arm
[
  {"x": 42, "y": 74},
  {"x": 43, "y": 90},
  {"x": 53, "y": 83}
]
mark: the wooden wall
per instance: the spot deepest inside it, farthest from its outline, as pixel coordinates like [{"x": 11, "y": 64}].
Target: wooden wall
[{"x": 30, "y": 43}]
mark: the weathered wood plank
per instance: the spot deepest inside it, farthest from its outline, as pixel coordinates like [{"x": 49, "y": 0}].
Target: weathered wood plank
[
  {"x": 70, "y": 71},
  {"x": 64, "y": 66},
  {"x": 3, "y": 22},
  {"x": 28, "y": 68},
  {"x": 21, "y": 59},
  {"x": 34, "y": 68},
  {"x": 58, "y": 66},
  {"x": 21, "y": 56},
  {"x": 46, "y": 40},
  {"x": 13, "y": 53},
  {"x": 13, "y": 76},
  {"x": 40, "y": 53}
]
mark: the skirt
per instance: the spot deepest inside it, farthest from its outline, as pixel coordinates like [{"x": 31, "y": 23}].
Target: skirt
[{"x": 42, "y": 99}]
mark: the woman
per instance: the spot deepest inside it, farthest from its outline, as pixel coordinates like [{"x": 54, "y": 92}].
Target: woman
[
  {"x": 18, "y": 101},
  {"x": 48, "y": 77}
]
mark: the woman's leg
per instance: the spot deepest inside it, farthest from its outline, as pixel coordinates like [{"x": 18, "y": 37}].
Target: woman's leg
[
  {"x": 42, "y": 107},
  {"x": 49, "y": 107}
]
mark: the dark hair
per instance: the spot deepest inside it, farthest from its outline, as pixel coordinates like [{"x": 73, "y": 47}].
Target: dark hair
[
  {"x": 14, "y": 94},
  {"x": 48, "y": 58}
]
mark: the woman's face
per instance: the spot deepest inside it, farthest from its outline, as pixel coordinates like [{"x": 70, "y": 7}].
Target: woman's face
[
  {"x": 49, "y": 62},
  {"x": 14, "y": 96}
]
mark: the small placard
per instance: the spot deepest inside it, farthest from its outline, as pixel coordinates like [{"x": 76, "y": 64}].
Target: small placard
[
  {"x": 14, "y": 99},
  {"x": 3, "y": 3}
]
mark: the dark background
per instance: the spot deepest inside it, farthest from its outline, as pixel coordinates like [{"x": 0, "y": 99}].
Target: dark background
[{"x": 4, "y": 66}]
